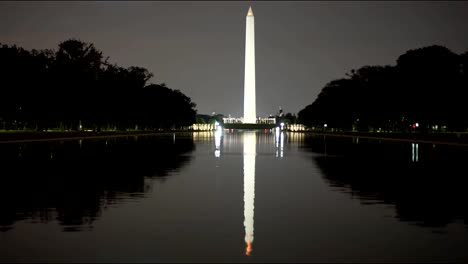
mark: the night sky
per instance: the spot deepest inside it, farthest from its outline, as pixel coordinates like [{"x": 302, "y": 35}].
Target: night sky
[{"x": 198, "y": 47}]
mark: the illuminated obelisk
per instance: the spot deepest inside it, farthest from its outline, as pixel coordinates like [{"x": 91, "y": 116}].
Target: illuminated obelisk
[
  {"x": 250, "y": 113},
  {"x": 249, "y": 139}
]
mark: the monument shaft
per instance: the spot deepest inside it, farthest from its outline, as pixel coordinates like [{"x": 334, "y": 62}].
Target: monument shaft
[{"x": 250, "y": 113}]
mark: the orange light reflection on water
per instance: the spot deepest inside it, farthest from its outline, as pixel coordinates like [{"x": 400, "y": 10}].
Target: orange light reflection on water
[{"x": 248, "y": 249}]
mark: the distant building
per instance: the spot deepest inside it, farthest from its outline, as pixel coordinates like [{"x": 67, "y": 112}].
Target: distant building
[{"x": 240, "y": 120}]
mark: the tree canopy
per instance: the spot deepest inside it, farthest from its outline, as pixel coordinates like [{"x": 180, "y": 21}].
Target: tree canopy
[
  {"x": 76, "y": 87},
  {"x": 427, "y": 87}
]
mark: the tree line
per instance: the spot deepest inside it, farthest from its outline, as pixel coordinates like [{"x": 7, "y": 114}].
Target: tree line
[
  {"x": 77, "y": 88},
  {"x": 425, "y": 91}
]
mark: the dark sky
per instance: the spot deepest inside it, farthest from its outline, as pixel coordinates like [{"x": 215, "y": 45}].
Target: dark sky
[{"x": 198, "y": 47}]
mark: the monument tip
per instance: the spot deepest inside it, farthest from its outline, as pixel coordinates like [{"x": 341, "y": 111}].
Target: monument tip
[{"x": 250, "y": 13}]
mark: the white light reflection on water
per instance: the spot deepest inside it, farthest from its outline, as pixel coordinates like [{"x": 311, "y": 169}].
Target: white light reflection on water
[
  {"x": 414, "y": 152},
  {"x": 356, "y": 140},
  {"x": 218, "y": 135},
  {"x": 279, "y": 142}
]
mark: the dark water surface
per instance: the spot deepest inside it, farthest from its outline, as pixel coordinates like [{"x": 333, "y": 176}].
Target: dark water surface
[{"x": 233, "y": 197}]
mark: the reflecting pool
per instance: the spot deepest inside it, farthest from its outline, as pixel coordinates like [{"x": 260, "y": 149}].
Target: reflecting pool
[{"x": 233, "y": 196}]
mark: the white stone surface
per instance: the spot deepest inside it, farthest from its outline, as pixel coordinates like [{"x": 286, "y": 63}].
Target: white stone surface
[{"x": 250, "y": 113}]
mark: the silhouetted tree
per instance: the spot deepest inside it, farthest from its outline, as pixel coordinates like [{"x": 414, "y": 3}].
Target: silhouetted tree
[
  {"x": 75, "y": 88},
  {"x": 427, "y": 86}
]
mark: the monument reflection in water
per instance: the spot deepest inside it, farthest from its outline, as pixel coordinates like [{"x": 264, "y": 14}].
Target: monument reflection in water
[
  {"x": 249, "y": 153},
  {"x": 249, "y": 140}
]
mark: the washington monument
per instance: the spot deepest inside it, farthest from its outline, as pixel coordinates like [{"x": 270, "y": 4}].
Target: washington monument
[{"x": 250, "y": 113}]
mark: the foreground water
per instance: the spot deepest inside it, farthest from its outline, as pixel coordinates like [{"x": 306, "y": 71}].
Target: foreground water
[{"x": 233, "y": 197}]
